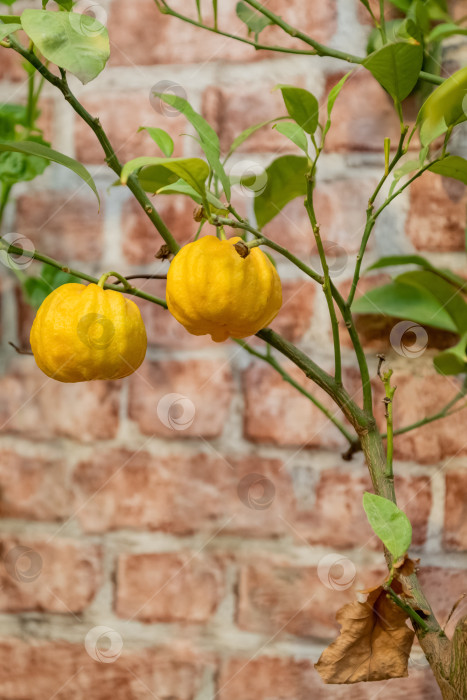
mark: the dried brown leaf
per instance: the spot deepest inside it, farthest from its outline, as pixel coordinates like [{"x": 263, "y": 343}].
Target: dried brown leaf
[{"x": 374, "y": 642}]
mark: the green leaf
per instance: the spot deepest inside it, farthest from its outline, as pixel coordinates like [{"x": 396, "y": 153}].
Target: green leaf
[
  {"x": 451, "y": 166},
  {"x": 76, "y": 42},
  {"x": 37, "y": 149},
  {"x": 194, "y": 171},
  {"x": 442, "y": 31},
  {"x": 396, "y": 67},
  {"x": 367, "y": 5},
  {"x": 247, "y": 133},
  {"x": 7, "y": 2},
  {"x": 10, "y": 19},
  {"x": 453, "y": 360},
  {"x": 161, "y": 137},
  {"x": 302, "y": 106},
  {"x": 332, "y": 97},
  {"x": 407, "y": 302},
  {"x": 255, "y": 21},
  {"x": 208, "y": 137},
  {"x": 285, "y": 181},
  {"x": 448, "y": 297},
  {"x": 403, "y": 5},
  {"x": 154, "y": 177},
  {"x": 391, "y": 260},
  {"x": 7, "y": 29},
  {"x": 181, "y": 187},
  {"x": 388, "y": 522},
  {"x": 409, "y": 167},
  {"x": 36, "y": 289},
  {"x": 443, "y": 108},
  {"x": 293, "y": 132}
]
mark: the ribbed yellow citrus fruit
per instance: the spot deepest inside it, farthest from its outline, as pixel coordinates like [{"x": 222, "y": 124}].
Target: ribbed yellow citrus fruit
[
  {"x": 212, "y": 289},
  {"x": 82, "y": 333}
]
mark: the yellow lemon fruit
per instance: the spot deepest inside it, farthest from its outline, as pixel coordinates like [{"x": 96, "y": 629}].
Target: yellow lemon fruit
[
  {"x": 82, "y": 333},
  {"x": 212, "y": 289}
]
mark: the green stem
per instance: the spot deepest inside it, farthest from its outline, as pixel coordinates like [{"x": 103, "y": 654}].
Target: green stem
[
  {"x": 77, "y": 273},
  {"x": 414, "y": 616},
  {"x": 276, "y": 365},
  {"x": 390, "y": 390},
  {"x": 94, "y": 123},
  {"x": 382, "y": 22},
  {"x": 6, "y": 188},
  {"x": 103, "y": 279},
  {"x": 327, "y": 280}
]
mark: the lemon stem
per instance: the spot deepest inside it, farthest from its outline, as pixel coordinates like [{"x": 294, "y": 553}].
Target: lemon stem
[{"x": 103, "y": 279}]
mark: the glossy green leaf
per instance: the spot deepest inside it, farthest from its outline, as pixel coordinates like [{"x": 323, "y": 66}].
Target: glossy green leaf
[
  {"x": 407, "y": 302},
  {"x": 154, "y": 177},
  {"x": 255, "y": 21},
  {"x": 181, "y": 187},
  {"x": 161, "y": 137},
  {"x": 453, "y": 360},
  {"x": 388, "y": 522},
  {"x": 241, "y": 138},
  {"x": 37, "y": 149},
  {"x": 194, "y": 171},
  {"x": 301, "y": 106},
  {"x": 208, "y": 137},
  {"x": 76, "y": 42},
  {"x": 285, "y": 181},
  {"x": 7, "y": 29},
  {"x": 293, "y": 132},
  {"x": 396, "y": 67},
  {"x": 449, "y": 298},
  {"x": 392, "y": 260},
  {"x": 445, "y": 107},
  {"x": 442, "y": 31},
  {"x": 451, "y": 166}
]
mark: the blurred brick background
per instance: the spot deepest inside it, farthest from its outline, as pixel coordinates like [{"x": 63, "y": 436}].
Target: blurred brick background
[{"x": 217, "y": 550}]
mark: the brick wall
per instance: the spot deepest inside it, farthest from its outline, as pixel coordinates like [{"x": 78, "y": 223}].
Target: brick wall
[{"x": 189, "y": 533}]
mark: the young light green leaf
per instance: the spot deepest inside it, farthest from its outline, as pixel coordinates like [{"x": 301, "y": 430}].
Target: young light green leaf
[
  {"x": 405, "y": 301},
  {"x": 208, "y": 137},
  {"x": 76, "y": 42},
  {"x": 451, "y": 166},
  {"x": 302, "y": 106},
  {"x": 388, "y": 522},
  {"x": 285, "y": 180},
  {"x": 7, "y": 29},
  {"x": 396, "y": 67},
  {"x": 194, "y": 171},
  {"x": 332, "y": 97},
  {"x": 247, "y": 133},
  {"x": 181, "y": 187},
  {"x": 255, "y": 21},
  {"x": 161, "y": 137},
  {"x": 409, "y": 167},
  {"x": 444, "y": 108},
  {"x": 293, "y": 132},
  {"x": 38, "y": 149}
]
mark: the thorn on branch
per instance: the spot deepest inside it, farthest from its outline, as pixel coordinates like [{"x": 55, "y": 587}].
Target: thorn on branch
[{"x": 20, "y": 351}]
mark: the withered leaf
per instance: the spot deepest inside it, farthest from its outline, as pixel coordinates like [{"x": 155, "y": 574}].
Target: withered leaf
[{"x": 373, "y": 645}]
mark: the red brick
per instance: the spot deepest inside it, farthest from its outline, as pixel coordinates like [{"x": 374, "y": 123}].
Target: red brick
[
  {"x": 58, "y": 576},
  {"x": 277, "y": 678},
  {"x": 455, "y": 510},
  {"x": 38, "y": 670},
  {"x": 277, "y": 599},
  {"x": 206, "y": 391},
  {"x": 436, "y": 219},
  {"x": 357, "y": 129},
  {"x": 231, "y": 109},
  {"x": 275, "y": 412},
  {"x": 141, "y": 241},
  {"x": 33, "y": 487},
  {"x": 340, "y": 210},
  {"x": 435, "y": 441},
  {"x": 120, "y": 489},
  {"x": 121, "y": 115},
  {"x": 168, "y": 587},
  {"x": 156, "y": 32},
  {"x": 39, "y": 408},
  {"x": 294, "y": 318},
  {"x": 338, "y": 500},
  {"x": 65, "y": 226},
  {"x": 443, "y": 588}
]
